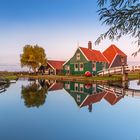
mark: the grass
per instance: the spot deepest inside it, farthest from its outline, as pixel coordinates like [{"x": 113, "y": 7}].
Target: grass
[
  {"x": 74, "y": 78},
  {"x": 13, "y": 76},
  {"x": 8, "y": 76}
]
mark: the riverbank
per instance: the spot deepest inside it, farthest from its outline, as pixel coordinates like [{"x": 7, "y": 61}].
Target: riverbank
[
  {"x": 132, "y": 76},
  {"x": 14, "y": 76},
  {"x": 6, "y": 77}
]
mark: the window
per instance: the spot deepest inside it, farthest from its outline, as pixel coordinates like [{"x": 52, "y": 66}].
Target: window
[
  {"x": 76, "y": 86},
  {"x": 81, "y": 87},
  {"x": 78, "y": 56},
  {"x": 104, "y": 66},
  {"x": 94, "y": 66},
  {"x": 76, "y": 67},
  {"x": 78, "y": 98},
  {"x": 67, "y": 67},
  {"x": 67, "y": 86},
  {"x": 94, "y": 88},
  {"x": 81, "y": 66}
]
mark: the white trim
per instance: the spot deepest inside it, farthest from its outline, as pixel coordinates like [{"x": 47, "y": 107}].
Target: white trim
[
  {"x": 75, "y": 53},
  {"x": 105, "y": 58},
  {"x": 84, "y": 101},
  {"x": 83, "y": 54},
  {"x": 51, "y": 85},
  {"x": 51, "y": 66},
  {"x": 67, "y": 61},
  {"x": 95, "y": 68},
  {"x": 113, "y": 60}
]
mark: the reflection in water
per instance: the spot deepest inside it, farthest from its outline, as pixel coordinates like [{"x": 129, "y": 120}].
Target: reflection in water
[
  {"x": 88, "y": 94},
  {"x": 3, "y": 87},
  {"x": 34, "y": 94}
]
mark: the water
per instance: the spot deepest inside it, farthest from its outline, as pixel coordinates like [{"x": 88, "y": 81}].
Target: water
[{"x": 32, "y": 110}]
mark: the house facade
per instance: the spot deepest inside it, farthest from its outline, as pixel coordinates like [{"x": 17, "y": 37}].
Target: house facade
[
  {"x": 85, "y": 59},
  {"x": 54, "y": 67}
]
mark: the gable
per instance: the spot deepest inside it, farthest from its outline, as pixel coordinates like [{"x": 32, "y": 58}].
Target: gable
[
  {"x": 111, "y": 52},
  {"x": 74, "y": 58}
]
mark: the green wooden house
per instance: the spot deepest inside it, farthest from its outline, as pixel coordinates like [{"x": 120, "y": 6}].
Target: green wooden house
[{"x": 85, "y": 59}]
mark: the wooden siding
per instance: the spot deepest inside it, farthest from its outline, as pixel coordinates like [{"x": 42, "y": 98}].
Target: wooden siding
[
  {"x": 117, "y": 61},
  {"x": 87, "y": 65}
]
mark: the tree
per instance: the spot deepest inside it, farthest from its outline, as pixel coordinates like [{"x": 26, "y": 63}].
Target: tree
[
  {"x": 34, "y": 94},
  {"x": 33, "y": 57},
  {"x": 122, "y": 17}
]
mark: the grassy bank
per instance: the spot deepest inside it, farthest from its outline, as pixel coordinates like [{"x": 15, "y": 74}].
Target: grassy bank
[
  {"x": 8, "y": 76},
  {"x": 73, "y": 78},
  {"x": 82, "y": 78},
  {"x": 13, "y": 76}
]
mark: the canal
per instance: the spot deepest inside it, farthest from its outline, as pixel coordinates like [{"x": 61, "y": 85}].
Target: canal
[{"x": 50, "y": 110}]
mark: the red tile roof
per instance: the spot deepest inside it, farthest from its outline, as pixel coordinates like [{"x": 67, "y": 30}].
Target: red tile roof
[
  {"x": 111, "y": 52},
  {"x": 93, "y": 99},
  {"x": 93, "y": 55},
  {"x": 112, "y": 98},
  {"x": 56, "y": 64}
]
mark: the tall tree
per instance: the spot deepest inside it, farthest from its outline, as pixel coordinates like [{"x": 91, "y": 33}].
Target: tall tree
[
  {"x": 122, "y": 17},
  {"x": 33, "y": 57}
]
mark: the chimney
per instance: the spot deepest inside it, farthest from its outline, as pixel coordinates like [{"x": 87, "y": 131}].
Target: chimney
[{"x": 90, "y": 45}]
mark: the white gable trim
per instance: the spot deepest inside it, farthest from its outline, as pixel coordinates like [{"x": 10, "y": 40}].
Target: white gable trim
[
  {"x": 113, "y": 60},
  {"x": 84, "y": 101},
  {"x": 66, "y": 61},
  {"x": 51, "y": 66},
  {"x": 75, "y": 53},
  {"x": 83, "y": 54},
  {"x": 105, "y": 58}
]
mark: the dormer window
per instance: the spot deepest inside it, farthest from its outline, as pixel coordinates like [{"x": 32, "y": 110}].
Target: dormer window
[{"x": 78, "y": 56}]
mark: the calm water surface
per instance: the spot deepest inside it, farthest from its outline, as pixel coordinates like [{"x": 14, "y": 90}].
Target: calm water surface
[{"x": 44, "y": 110}]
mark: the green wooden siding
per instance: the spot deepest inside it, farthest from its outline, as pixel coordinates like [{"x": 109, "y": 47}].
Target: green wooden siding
[
  {"x": 87, "y": 65},
  {"x": 87, "y": 88}
]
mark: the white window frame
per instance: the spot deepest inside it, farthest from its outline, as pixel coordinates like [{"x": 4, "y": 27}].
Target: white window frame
[
  {"x": 94, "y": 68},
  {"x": 67, "y": 86},
  {"x": 81, "y": 69},
  {"x": 76, "y": 69},
  {"x": 78, "y": 98},
  {"x": 78, "y": 56},
  {"x": 76, "y": 86},
  {"x": 81, "y": 87}
]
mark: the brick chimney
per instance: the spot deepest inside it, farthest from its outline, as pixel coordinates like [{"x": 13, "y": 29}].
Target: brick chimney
[{"x": 90, "y": 45}]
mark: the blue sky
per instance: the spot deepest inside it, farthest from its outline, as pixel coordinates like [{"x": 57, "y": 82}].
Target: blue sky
[{"x": 56, "y": 25}]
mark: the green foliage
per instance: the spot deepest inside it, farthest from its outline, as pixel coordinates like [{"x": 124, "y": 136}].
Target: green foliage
[
  {"x": 33, "y": 57},
  {"x": 122, "y": 17},
  {"x": 34, "y": 94}
]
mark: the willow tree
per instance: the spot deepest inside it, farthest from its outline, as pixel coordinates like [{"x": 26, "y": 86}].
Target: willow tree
[
  {"x": 122, "y": 18},
  {"x": 33, "y": 57}
]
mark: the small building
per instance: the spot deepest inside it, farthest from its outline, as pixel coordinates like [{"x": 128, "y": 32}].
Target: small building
[
  {"x": 115, "y": 56},
  {"x": 54, "y": 67},
  {"x": 85, "y": 59}
]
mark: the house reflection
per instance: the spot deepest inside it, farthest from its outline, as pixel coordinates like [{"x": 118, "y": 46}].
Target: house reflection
[{"x": 89, "y": 94}]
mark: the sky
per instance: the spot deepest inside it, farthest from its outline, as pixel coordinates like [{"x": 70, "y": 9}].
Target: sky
[{"x": 56, "y": 25}]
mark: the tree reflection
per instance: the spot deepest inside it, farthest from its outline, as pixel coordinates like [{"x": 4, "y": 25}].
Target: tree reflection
[{"x": 35, "y": 93}]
